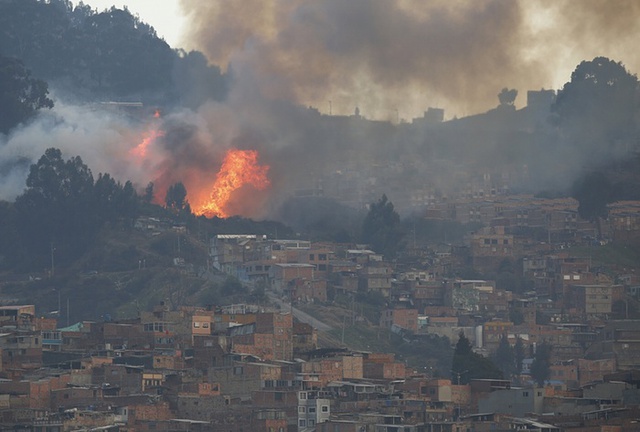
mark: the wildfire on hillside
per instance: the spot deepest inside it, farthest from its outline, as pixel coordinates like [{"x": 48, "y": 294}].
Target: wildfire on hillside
[
  {"x": 140, "y": 151},
  {"x": 239, "y": 168}
]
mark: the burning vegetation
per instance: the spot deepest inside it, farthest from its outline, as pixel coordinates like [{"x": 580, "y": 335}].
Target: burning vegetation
[{"x": 240, "y": 168}]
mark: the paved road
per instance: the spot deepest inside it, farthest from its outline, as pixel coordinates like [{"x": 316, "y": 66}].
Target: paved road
[{"x": 300, "y": 315}]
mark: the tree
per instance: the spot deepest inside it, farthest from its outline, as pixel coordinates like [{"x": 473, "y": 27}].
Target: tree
[
  {"x": 381, "y": 228},
  {"x": 598, "y": 106},
  {"x": 21, "y": 96},
  {"x": 128, "y": 204},
  {"x": 62, "y": 209},
  {"x": 518, "y": 355},
  {"x": 148, "y": 193},
  {"x": 504, "y": 357},
  {"x": 468, "y": 365},
  {"x": 507, "y": 97},
  {"x": 176, "y": 196},
  {"x": 58, "y": 206},
  {"x": 106, "y": 193},
  {"x": 541, "y": 366},
  {"x": 593, "y": 192}
]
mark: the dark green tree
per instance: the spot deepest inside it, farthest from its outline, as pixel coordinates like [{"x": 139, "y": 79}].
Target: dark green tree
[
  {"x": 541, "y": 366},
  {"x": 126, "y": 56},
  {"x": 128, "y": 204},
  {"x": 381, "y": 228},
  {"x": 597, "y": 108},
  {"x": 62, "y": 210},
  {"x": 148, "y": 193},
  {"x": 104, "y": 54},
  {"x": 176, "y": 196},
  {"x": 37, "y": 33},
  {"x": 57, "y": 208},
  {"x": 518, "y": 355},
  {"x": 504, "y": 357},
  {"x": 21, "y": 96},
  {"x": 593, "y": 192},
  {"x": 106, "y": 191},
  {"x": 468, "y": 365}
]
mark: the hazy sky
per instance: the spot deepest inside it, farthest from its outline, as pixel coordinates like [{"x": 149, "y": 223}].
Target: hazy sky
[{"x": 165, "y": 16}]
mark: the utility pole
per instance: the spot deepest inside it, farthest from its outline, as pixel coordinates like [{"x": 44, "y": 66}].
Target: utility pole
[{"x": 459, "y": 374}]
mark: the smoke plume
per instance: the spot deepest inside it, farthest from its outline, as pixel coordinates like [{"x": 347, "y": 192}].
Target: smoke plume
[
  {"x": 405, "y": 55},
  {"x": 392, "y": 59}
]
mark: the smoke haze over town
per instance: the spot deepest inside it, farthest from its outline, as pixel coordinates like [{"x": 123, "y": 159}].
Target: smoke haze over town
[{"x": 297, "y": 72}]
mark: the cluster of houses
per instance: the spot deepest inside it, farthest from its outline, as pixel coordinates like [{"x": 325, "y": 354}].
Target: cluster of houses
[
  {"x": 255, "y": 368},
  {"x": 242, "y": 368}
]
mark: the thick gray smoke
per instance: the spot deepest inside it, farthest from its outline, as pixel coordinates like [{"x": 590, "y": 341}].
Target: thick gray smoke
[
  {"x": 385, "y": 55},
  {"x": 392, "y": 59}
]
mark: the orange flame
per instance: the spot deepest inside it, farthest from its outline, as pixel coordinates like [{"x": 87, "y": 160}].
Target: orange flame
[
  {"x": 141, "y": 149},
  {"x": 239, "y": 168}
]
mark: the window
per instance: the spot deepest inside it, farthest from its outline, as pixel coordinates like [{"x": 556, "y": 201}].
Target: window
[
  {"x": 312, "y": 410},
  {"x": 277, "y": 396},
  {"x": 205, "y": 325},
  {"x": 312, "y": 257},
  {"x": 487, "y": 241},
  {"x": 237, "y": 370},
  {"x": 302, "y": 409},
  {"x": 312, "y": 422},
  {"x": 325, "y": 408},
  {"x": 322, "y": 257},
  {"x": 302, "y": 423},
  {"x": 525, "y": 394},
  {"x": 196, "y": 325},
  {"x": 505, "y": 241},
  {"x": 322, "y": 267}
]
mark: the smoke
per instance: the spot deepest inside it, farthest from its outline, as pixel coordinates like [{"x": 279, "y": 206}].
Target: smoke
[
  {"x": 392, "y": 59},
  {"x": 99, "y": 137},
  {"x": 385, "y": 55},
  {"x": 106, "y": 140}
]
